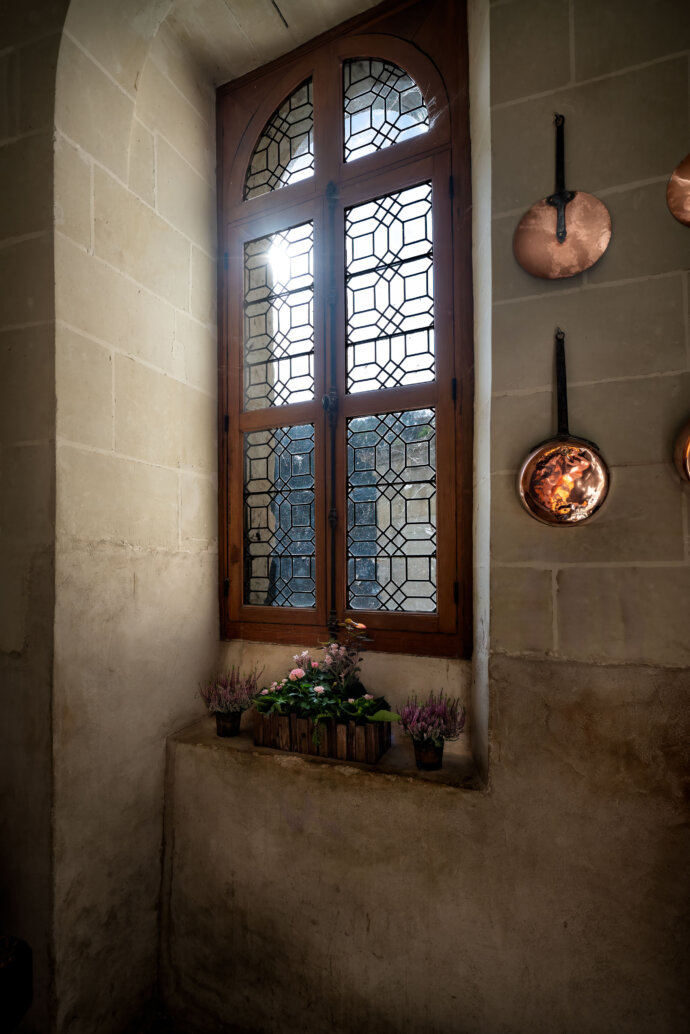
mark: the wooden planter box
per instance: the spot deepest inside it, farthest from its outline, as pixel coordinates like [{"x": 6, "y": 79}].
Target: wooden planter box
[{"x": 347, "y": 741}]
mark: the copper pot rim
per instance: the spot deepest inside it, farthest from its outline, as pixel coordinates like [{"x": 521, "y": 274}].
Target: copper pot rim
[
  {"x": 678, "y": 192},
  {"x": 543, "y": 449},
  {"x": 681, "y": 452}
]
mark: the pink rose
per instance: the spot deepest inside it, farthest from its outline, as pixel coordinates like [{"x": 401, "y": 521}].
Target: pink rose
[
  {"x": 314, "y": 664},
  {"x": 350, "y": 700},
  {"x": 327, "y": 659},
  {"x": 264, "y": 692},
  {"x": 319, "y": 689},
  {"x": 368, "y": 696},
  {"x": 296, "y": 673}
]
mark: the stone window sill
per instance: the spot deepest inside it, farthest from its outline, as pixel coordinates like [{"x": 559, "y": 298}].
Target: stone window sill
[{"x": 458, "y": 771}]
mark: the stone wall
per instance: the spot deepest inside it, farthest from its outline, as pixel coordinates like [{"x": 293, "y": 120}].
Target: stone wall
[
  {"x": 136, "y": 612},
  {"x": 615, "y": 590},
  {"x": 30, "y": 37},
  {"x": 556, "y": 901}
]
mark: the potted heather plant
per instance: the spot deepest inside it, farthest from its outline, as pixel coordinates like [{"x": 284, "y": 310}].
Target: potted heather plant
[
  {"x": 227, "y": 695},
  {"x": 429, "y": 723}
]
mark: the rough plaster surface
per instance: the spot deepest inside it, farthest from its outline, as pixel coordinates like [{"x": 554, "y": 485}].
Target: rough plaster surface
[{"x": 553, "y": 903}]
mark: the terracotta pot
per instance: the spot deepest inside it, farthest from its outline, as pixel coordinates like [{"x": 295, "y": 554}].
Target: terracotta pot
[
  {"x": 228, "y": 723},
  {"x": 428, "y": 756}
]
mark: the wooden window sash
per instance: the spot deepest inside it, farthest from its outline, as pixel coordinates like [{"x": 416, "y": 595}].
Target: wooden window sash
[{"x": 427, "y": 156}]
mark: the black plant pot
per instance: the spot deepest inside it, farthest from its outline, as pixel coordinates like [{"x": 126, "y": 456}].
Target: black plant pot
[
  {"x": 428, "y": 756},
  {"x": 228, "y": 723}
]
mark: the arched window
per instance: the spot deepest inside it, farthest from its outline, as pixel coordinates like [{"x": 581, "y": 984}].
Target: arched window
[{"x": 345, "y": 372}]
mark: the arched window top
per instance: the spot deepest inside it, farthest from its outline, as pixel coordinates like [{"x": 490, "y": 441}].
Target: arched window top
[
  {"x": 285, "y": 151},
  {"x": 382, "y": 106},
  {"x": 345, "y": 338}
]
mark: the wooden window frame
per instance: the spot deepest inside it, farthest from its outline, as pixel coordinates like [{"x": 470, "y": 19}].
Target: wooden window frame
[{"x": 428, "y": 40}]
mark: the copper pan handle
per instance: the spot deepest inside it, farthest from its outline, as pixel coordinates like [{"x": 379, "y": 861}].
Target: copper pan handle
[
  {"x": 561, "y": 383},
  {"x": 559, "y": 122},
  {"x": 561, "y": 197}
]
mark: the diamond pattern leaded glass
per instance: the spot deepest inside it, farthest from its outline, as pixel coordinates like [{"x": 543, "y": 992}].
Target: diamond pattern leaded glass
[
  {"x": 279, "y": 546},
  {"x": 391, "y": 511},
  {"x": 285, "y": 151},
  {"x": 382, "y": 106},
  {"x": 390, "y": 300},
  {"x": 279, "y": 318}
]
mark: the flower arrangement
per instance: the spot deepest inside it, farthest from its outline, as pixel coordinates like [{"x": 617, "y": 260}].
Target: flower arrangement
[
  {"x": 326, "y": 687},
  {"x": 230, "y": 692},
  {"x": 433, "y": 720}
]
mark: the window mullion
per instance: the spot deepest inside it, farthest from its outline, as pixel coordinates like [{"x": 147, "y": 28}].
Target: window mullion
[{"x": 331, "y": 401}]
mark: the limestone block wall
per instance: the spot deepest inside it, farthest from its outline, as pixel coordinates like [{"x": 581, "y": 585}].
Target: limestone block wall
[
  {"x": 136, "y": 566},
  {"x": 28, "y": 57},
  {"x": 617, "y": 589}
]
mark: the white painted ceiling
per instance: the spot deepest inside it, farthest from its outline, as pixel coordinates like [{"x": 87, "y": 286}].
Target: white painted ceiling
[{"x": 230, "y": 37}]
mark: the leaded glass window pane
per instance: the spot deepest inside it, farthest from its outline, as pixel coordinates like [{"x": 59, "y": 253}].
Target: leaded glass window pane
[
  {"x": 279, "y": 524},
  {"x": 279, "y": 318},
  {"x": 391, "y": 511},
  {"x": 382, "y": 106},
  {"x": 285, "y": 152},
  {"x": 390, "y": 291}
]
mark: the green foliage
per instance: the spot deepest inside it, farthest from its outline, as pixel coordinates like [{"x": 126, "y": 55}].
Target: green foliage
[{"x": 327, "y": 687}]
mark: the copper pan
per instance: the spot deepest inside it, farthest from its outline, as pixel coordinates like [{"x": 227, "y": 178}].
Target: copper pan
[
  {"x": 681, "y": 452},
  {"x": 564, "y": 480},
  {"x": 565, "y": 233},
  {"x": 678, "y": 192}
]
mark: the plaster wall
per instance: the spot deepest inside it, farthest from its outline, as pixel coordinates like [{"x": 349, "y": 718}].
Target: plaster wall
[
  {"x": 29, "y": 35},
  {"x": 345, "y": 900}
]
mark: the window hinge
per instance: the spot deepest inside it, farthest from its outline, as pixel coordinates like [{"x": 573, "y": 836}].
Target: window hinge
[
  {"x": 456, "y": 592},
  {"x": 225, "y": 260},
  {"x": 226, "y": 422},
  {"x": 454, "y": 388},
  {"x": 226, "y": 587}
]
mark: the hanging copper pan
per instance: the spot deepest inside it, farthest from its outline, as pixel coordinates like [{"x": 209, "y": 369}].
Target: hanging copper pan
[
  {"x": 681, "y": 452},
  {"x": 678, "y": 192},
  {"x": 565, "y": 233},
  {"x": 564, "y": 480}
]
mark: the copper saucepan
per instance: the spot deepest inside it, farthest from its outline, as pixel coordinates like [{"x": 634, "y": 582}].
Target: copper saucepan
[
  {"x": 564, "y": 480},
  {"x": 565, "y": 233},
  {"x": 678, "y": 192}
]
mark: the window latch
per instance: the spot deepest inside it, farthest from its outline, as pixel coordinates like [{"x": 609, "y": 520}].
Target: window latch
[{"x": 330, "y": 406}]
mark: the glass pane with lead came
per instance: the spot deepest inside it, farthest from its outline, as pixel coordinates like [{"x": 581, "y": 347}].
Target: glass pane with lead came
[
  {"x": 279, "y": 520},
  {"x": 285, "y": 151},
  {"x": 279, "y": 318},
  {"x": 390, "y": 299},
  {"x": 391, "y": 512},
  {"x": 382, "y": 106}
]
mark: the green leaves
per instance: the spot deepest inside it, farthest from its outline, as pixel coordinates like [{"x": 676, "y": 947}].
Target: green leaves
[{"x": 384, "y": 716}]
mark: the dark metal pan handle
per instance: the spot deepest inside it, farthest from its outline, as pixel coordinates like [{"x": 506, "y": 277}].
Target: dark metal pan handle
[
  {"x": 561, "y": 197},
  {"x": 561, "y": 383}
]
